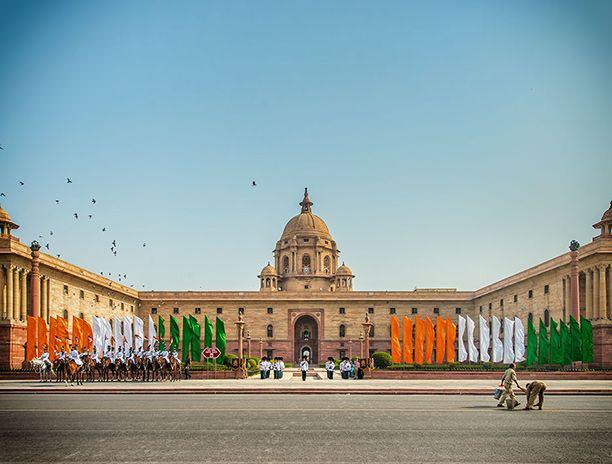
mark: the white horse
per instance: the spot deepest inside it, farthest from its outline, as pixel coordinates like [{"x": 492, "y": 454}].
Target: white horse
[{"x": 43, "y": 369}]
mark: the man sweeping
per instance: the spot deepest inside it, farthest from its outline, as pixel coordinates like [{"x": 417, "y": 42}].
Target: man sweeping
[
  {"x": 506, "y": 381},
  {"x": 535, "y": 388}
]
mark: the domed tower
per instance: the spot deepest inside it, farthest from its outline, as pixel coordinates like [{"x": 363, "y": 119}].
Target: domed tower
[
  {"x": 6, "y": 225},
  {"x": 268, "y": 278},
  {"x": 605, "y": 225},
  {"x": 344, "y": 278},
  {"x": 306, "y": 256}
]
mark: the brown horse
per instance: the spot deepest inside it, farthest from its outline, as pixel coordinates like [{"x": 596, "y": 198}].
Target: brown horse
[
  {"x": 108, "y": 368},
  {"x": 74, "y": 372},
  {"x": 59, "y": 366}
]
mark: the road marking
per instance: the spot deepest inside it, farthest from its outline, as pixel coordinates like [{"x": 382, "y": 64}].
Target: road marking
[{"x": 466, "y": 409}]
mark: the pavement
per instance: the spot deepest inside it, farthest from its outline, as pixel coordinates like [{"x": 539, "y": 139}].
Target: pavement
[
  {"x": 317, "y": 383},
  {"x": 238, "y": 428}
]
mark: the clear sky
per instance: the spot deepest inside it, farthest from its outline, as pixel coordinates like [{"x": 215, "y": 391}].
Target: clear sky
[{"x": 444, "y": 143}]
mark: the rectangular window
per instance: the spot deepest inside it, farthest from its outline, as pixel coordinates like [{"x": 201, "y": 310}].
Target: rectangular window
[
  {"x": 97, "y": 298},
  {"x": 270, "y": 310},
  {"x": 241, "y": 311},
  {"x": 436, "y": 310},
  {"x": 458, "y": 310},
  {"x": 198, "y": 310},
  {"x": 175, "y": 310},
  {"x": 153, "y": 310},
  {"x": 391, "y": 310},
  {"x": 132, "y": 308},
  {"x": 480, "y": 309},
  {"x": 219, "y": 310},
  {"x": 306, "y": 240},
  {"x": 546, "y": 288},
  {"x": 415, "y": 310},
  {"x": 341, "y": 311},
  {"x": 530, "y": 294},
  {"x": 81, "y": 294},
  {"x": 490, "y": 306},
  {"x": 121, "y": 306},
  {"x": 65, "y": 289},
  {"x": 370, "y": 310},
  {"x": 515, "y": 298},
  {"x": 501, "y": 302},
  {"x": 110, "y": 302}
]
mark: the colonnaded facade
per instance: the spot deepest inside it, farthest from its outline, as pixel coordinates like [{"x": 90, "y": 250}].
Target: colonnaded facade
[{"x": 305, "y": 300}]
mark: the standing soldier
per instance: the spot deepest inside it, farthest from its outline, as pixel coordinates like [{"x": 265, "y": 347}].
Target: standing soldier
[
  {"x": 304, "y": 367},
  {"x": 535, "y": 388},
  {"x": 330, "y": 365},
  {"x": 506, "y": 381}
]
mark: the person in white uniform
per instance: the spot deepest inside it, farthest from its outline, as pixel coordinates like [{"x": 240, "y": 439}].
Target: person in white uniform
[
  {"x": 44, "y": 357},
  {"x": 330, "y": 366},
  {"x": 74, "y": 356},
  {"x": 304, "y": 367}
]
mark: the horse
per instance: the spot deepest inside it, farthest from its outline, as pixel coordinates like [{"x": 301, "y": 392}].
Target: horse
[
  {"x": 120, "y": 370},
  {"x": 108, "y": 368},
  {"x": 44, "y": 369},
  {"x": 175, "y": 370},
  {"x": 89, "y": 368},
  {"x": 59, "y": 365},
  {"x": 74, "y": 372}
]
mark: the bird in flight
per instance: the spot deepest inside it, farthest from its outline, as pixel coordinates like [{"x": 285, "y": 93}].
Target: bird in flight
[
  {"x": 144, "y": 245},
  {"x": 40, "y": 236},
  {"x": 57, "y": 202},
  {"x": 68, "y": 181},
  {"x": 2, "y": 194},
  {"x": 115, "y": 253},
  {"x": 254, "y": 184},
  {"x": 103, "y": 229},
  {"x": 93, "y": 200},
  {"x": 1, "y": 147},
  {"x": 114, "y": 243},
  {"x": 76, "y": 215},
  {"x": 90, "y": 216},
  {"x": 51, "y": 233},
  {"x": 21, "y": 183},
  {"x": 47, "y": 246},
  {"x": 59, "y": 256}
]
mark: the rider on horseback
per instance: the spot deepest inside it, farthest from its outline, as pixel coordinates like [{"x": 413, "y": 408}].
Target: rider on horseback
[
  {"x": 74, "y": 356},
  {"x": 44, "y": 357}
]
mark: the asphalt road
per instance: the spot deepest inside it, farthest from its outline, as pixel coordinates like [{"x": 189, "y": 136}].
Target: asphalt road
[{"x": 300, "y": 428}]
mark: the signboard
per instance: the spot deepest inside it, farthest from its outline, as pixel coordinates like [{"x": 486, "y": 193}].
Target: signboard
[{"x": 211, "y": 353}]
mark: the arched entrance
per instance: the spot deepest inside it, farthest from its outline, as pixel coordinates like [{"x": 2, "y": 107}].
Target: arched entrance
[{"x": 306, "y": 338}]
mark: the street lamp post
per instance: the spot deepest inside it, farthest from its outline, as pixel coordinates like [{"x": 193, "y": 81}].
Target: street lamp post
[
  {"x": 248, "y": 339},
  {"x": 350, "y": 349},
  {"x": 241, "y": 372},
  {"x": 367, "y": 325},
  {"x": 361, "y": 346},
  {"x": 260, "y": 348}
]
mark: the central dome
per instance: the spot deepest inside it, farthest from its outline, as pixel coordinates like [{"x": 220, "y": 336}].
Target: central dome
[{"x": 305, "y": 223}]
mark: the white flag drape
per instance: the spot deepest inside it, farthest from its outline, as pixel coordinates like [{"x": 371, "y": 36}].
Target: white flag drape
[
  {"x": 485, "y": 335},
  {"x": 498, "y": 349},
  {"x": 152, "y": 333},
  {"x": 98, "y": 329},
  {"x": 138, "y": 333},
  {"x": 472, "y": 350},
  {"x": 117, "y": 335},
  {"x": 519, "y": 340},
  {"x": 461, "y": 353},
  {"x": 127, "y": 334},
  {"x": 508, "y": 341}
]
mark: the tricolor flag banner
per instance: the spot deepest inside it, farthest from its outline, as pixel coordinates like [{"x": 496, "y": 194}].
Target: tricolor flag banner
[
  {"x": 98, "y": 334},
  {"x": 396, "y": 349},
  {"x": 87, "y": 334},
  {"x": 419, "y": 338},
  {"x": 117, "y": 335},
  {"x": 77, "y": 335},
  {"x": 52, "y": 335},
  {"x": 221, "y": 339},
  {"x": 543, "y": 344},
  {"x": 62, "y": 336},
  {"x": 407, "y": 340},
  {"x": 138, "y": 333},
  {"x": 566, "y": 344},
  {"x": 556, "y": 351},
  {"x": 43, "y": 342},
  {"x": 462, "y": 354},
  {"x": 472, "y": 351},
  {"x": 484, "y": 338},
  {"x": 429, "y": 339},
  {"x": 108, "y": 334},
  {"x": 187, "y": 335},
  {"x": 196, "y": 341},
  {"x": 532, "y": 344},
  {"x": 576, "y": 339},
  {"x": 174, "y": 334},
  {"x": 127, "y": 334},
  {"x": 152, "y": 338},
  {"x": 208, "y": 333},
  {"x": 519, "y": 340},
  {"x": 498, "y": 348},
  {"x": 451, "y": 336},
  {"x": 586, "y": 331},
  {"x": 508, "y": 341},
  {"x": 440, "y": 339},
  {"x": 31, "y": 338},
  {"x": 162, "y": 333}
]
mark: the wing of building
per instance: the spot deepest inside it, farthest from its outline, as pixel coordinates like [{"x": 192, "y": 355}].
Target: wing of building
[{"x": 306, "y": 300}]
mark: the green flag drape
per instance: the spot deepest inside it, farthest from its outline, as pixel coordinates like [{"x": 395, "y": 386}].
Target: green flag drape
[
  {"x": 556, "y": 353},
  {"x": 161, "y": 324},
  {"x": 532, "y": 344},
  {"x": 208, "y": 334},
  {"x": 576, "y": 340},
  {"x": 196, "y": 343},
  {"x": 221, "y": 339},
  {"x": 566, "y": 343},
  {"x": 586, "y": 330},
  {"x": 187, "y": 336},
  {"x": 544, "y": 344},
  {"x": 174, "y": 334}
]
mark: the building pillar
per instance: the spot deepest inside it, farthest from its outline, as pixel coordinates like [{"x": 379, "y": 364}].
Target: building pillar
[
  {"x": 596, "y": 302},
  {"x": 43, "y": 299},
  {"x": 575, "y": 297},
  {"x": 603, "y": 304},
  {"x": 15, "y": 294},
  {"x": 3, "y": 314},
  {"x": 9, "y": 292},
  {"x": 588, "y": 294},
  {"x": 23, "y": 296},
  {"x": 35, "y": 279},
  {"x": 609, "y": 290}
]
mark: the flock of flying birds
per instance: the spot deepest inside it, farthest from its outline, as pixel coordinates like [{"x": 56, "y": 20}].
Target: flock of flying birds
[{"x": 113, "y": 248}]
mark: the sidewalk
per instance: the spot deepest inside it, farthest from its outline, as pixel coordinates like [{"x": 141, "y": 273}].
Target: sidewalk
[{"x": 316, "y": 383}]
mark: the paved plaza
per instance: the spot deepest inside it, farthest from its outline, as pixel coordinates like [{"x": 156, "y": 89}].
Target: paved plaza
[{"x": 301, "y": 428}]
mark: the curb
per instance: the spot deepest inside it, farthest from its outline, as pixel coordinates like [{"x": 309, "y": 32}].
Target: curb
[{"x": 286, "y": 391}]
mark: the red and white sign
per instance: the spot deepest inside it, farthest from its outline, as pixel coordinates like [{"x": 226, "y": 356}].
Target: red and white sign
[{"x": 211, "y": 353}]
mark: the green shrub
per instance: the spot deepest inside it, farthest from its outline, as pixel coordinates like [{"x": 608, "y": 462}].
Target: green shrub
[
  {"x": 228, "y": 359},
  {"x": 382, "y": 359}
]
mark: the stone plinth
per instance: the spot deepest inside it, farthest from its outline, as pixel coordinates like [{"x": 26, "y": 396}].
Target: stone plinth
[
  {"x": 602, "y": 344},
  {"x": 12, "y": 345}
]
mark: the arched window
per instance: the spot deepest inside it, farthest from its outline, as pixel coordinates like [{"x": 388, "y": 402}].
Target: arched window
[
  {"x": 285, "y": 263},
  {"x": 66, "y": 314},
  {"x": 326, "y": 265},
  {"x": 306, "y": 264},
  {"x": 342, "y": 331},
  {"x": 273, "y": 282},
  {"x": 344, "y": 282},
  {"x": 270, "y": 331},
  {"x": 546, "y": 317},
  {"x": 530, "y": 317},
  {"x": 268, "y": 282},
  {"x": 82, "y": 316},
  {"x": 306, "y": 334}
]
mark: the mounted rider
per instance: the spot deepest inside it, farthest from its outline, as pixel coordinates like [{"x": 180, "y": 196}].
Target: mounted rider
[
  {"x": 119, "y": 356},
  {"x": 74, "y": 356},
  {"x": 44, "y": 357}
]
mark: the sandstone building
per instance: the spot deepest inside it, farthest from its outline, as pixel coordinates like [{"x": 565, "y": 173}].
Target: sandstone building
[{"x": 306, "y": 300}]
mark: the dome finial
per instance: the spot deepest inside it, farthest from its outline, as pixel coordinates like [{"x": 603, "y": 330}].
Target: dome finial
[{"x": 306, "y": 204}]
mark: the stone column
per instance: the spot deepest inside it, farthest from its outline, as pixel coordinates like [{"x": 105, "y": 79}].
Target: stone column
[
  {"x": 575, "y": 302},
  {"x": 609, "y": 290},
  {"x": 603, "y": 303},
  {"x": 35, "y": 279},
  {"x": 23, "y": 296},
  {"x": 588, "y": 294},
  {"x": 596, "y": 302},
  {"x": 9, "y": 292},
  {"x": 43, "y": 299},
  {"x": 15, "y": 294},
  {"x": 2, "y": 299}
]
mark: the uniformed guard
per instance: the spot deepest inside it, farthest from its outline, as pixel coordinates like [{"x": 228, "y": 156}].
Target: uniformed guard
[
  {"x": 330, "y": 365},
  {"x": 74, "y": 356},
  {"x": 281, "y": 367},
  {"x": 533, "y": 389},
  {"x": 304, "y": 367},
  {"x": 44, "y": 357},
  {"x": 506, "y": 381},
  {"x": 262, "y": 368}
]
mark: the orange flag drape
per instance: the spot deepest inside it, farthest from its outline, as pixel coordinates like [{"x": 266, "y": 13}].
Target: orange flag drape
[
  {"x": 87, "y": 334},
  {"x": 440, "y": 339},
  {"x": 62, "y": 336},
  {"x": 451, "y": 336},
  {"x": 77, "y": 332},
  {"x": 41, "y": 336},
  {"x": 396, "y": 349},
  {"x": 419, "y": 332},
  {"x": 429, "y": 339},
  {"x": 31, "y": 338},
  {"x": 407, "y": 340},
  {"x": 52, "y": 338}
]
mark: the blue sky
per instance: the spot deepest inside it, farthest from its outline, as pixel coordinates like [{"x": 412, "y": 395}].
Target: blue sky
[{"x": 444, "y": 143}]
